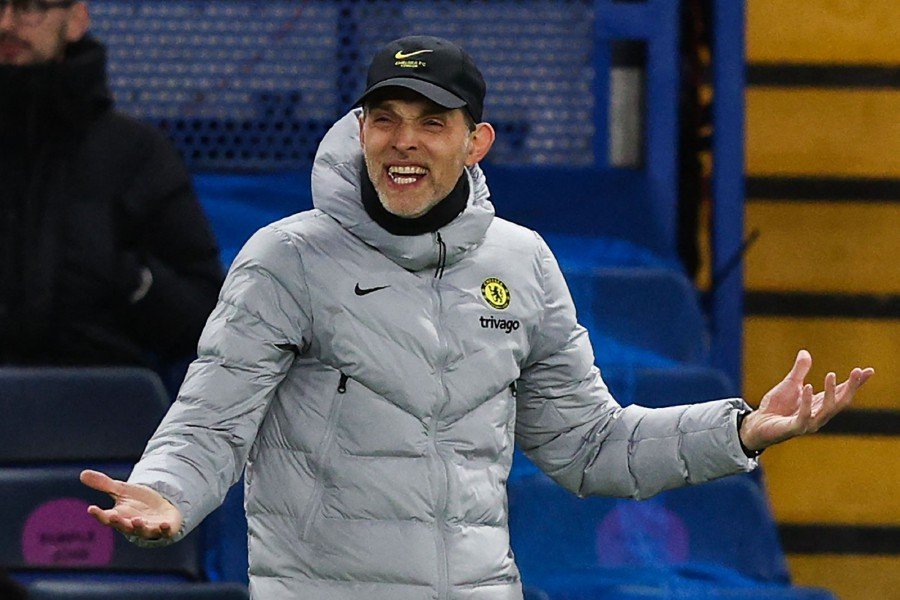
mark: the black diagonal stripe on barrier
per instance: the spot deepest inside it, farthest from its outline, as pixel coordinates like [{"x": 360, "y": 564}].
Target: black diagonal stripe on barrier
[
  {"x": 839, "y": 539},
  {"x": 823, "y": 189},
  {"x": 811, "y": 304},
  {"x": 806, "y": 75},
  {"x": 867, "y": 422}
]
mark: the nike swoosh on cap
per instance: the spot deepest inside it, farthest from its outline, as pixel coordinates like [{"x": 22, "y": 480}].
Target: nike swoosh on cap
[{"x": 401, "y": 55}]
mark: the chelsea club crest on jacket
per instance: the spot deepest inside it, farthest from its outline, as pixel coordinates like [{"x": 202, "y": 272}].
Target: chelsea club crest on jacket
[{"x": 374, "y": 385}]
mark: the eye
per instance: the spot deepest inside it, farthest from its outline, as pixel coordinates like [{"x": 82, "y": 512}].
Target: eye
[{"x": 434, "y": 123}]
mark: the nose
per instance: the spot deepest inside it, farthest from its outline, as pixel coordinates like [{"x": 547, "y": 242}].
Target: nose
[{"x": 405, "y": 137}]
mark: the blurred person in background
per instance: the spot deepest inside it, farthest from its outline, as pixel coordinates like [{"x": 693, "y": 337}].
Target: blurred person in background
[
  {"x": 372, "y": 361},
  {"x": 106, "y": 257}
]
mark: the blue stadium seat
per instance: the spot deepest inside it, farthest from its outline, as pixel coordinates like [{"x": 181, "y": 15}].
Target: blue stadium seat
[
  {"x": 666, "y": 386},
  {"x": 533, "y": 593},
  {"x": 62, "y": 420},
  {"x": 60, "y": 590},
  {"x": 720, "y": 533},
  {"x": 644, "y": 316},
  {"x": 86, "y": 414},
  {"x": 225, "y": 532},
  {"x": 45, "y": 531}
]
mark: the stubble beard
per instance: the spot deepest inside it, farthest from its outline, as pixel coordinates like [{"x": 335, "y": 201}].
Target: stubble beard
[{"x": 382, "y": 194}]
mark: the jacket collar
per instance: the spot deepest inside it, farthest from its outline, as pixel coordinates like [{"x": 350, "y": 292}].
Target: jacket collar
[
  {"x": 57, "y": 97},
  {"x": 337, "y": 190}
]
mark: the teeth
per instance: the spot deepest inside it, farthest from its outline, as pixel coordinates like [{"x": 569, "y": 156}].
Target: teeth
[
  {"x": 397, "y": 171},
  {"x": 407, "y": 170}
]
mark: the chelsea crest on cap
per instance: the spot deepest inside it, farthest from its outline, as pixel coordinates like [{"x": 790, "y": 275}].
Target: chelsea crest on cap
[{"x": 434, "y": 67}]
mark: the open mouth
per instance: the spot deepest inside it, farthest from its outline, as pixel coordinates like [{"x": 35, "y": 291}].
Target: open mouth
[{"x": 406, "y": 174}]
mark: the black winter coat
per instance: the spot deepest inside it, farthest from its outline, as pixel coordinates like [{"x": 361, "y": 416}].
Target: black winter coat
[{"x": 89, "y": 201}]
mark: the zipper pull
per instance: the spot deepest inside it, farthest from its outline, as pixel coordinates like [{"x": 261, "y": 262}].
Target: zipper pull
[
  {"x": 342, "y": 384},
  {"x": 442, "y": 256},
  {"x": 513, "y": 389}
]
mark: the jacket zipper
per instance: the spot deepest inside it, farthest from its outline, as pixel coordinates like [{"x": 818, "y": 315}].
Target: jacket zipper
[
  {"x": 321, "y": 458},
  {"x": 443, "y": 591}
]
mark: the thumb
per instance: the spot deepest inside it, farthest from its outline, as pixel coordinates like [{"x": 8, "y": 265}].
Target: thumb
[
  {"x": 801, "y": 367},
  {"x": 102, "y": 482}
]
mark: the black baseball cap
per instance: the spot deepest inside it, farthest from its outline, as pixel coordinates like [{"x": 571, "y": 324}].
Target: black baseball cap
[{"x": 432, "y": 66}]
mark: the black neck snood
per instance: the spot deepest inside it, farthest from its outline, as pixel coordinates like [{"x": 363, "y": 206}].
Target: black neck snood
[{"x": 441, "y": 214}]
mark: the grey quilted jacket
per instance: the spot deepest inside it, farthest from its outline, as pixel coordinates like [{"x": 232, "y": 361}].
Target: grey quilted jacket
[{"x": 373, "y": 386}]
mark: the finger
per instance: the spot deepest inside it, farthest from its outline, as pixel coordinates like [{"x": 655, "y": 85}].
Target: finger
[
  {"x": 101, "y": 515},
  {"x": 847, "y": 389},
  {"x": 121, "y": 524},
  {"x": 830, "y": 385},
  {"x": 144, "y": 530},
  {"x": 859, "y": 376},
  {"x": 102, "y": 482},
  {"x": 801, "y": 367},
  {"x": 803, "y": 418},
  {"x": 828, "y": 404}
]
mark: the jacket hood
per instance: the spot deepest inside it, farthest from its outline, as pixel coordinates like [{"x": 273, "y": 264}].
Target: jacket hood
[
  {"x": 66, "y": 94},
  {"x": 336, "y": 191}
]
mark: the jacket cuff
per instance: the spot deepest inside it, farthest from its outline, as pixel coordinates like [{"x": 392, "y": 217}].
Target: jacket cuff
[
  {"x": 741, "y": 410},
  {"x": 740, "y": 420}
]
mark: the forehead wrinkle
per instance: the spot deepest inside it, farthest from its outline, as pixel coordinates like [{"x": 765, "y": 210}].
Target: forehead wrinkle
[{"x": 426, "y": 107}]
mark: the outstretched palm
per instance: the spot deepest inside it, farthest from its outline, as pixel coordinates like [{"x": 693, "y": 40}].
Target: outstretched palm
[
  {"x": 138, "y": 510},
  {"x": 790, "y": 408}
]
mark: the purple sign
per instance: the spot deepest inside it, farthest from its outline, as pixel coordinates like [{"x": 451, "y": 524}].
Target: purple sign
[{"x": 61, "y": 533}]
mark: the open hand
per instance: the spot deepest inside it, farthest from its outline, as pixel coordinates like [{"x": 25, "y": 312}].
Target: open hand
[
  {"x": 791, "y": 409},
  {"x": 138, "y": 510}
]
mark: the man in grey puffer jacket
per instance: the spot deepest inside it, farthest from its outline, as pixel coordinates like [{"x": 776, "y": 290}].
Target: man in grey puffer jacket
[{"x": 371, "y": 362}]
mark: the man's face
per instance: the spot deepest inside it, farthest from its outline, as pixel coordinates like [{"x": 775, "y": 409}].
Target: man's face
[
  {"x": 415, "y": 151},
  {"x": 34, "y": 36}
]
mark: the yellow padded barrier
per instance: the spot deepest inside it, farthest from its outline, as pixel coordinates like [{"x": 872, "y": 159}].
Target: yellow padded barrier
[
  {"x": 841, "y": 247},
  {"x": 835, "y": 480},
  {"x": 771, "y": 343},
  {"x": 823, "y": 31},
  {"x": 804, "y": 131},
  {"x": 849, "y": 577}
]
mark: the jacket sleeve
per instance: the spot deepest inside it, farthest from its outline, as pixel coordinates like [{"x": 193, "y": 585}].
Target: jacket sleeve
[
  {"x": 571, "y": 427},
  {"x": 262, "y": 320},
  {"x": 170, "y": 238}
]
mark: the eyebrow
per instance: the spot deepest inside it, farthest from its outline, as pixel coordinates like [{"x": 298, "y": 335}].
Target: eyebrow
[{"x": 432, "y": 111}]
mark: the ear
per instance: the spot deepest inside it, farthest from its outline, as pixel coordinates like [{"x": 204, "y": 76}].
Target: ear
[
  {"x": 78, "y": 22},
  {"x": 362, "y": 135},
  {"x": 482, "y": 140}
]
